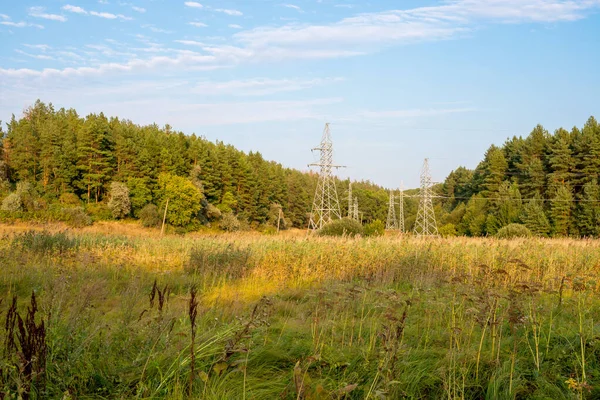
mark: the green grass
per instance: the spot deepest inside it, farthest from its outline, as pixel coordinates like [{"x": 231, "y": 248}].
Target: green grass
[{"x": 293, "y": 318}]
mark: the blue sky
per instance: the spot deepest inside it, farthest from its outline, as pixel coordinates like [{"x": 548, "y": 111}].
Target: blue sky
[{"x": 398, "y": 80}]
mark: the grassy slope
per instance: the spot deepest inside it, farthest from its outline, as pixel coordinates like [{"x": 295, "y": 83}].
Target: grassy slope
[{"x": 398, "y": 318}]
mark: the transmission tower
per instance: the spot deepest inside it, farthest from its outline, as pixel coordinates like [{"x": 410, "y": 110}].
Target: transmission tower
[
  {"x": 391, "y": 223},
  {"x": 350, "y": 201},
  {"x": 325, "y": 206},
  {"x": 425, "y": 224},
  {"x": 401, "y": 211},
  {"x": 355, "y": 209}
]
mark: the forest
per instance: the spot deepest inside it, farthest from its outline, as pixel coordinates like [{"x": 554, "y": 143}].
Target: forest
[
  {"x": 56, "y": 164},
  {"x": 55, "y": 160}
]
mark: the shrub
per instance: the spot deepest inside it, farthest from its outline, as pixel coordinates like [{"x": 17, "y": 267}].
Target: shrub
[
  {"x": 342, "y": 227},
  {"x": 28, "y": 195},
  {"x": 375, "y": 228},
  {"x": 69, "y": 199},
  {"x": 45, "y": 242},
  {"x": 98, "y": 211},
  {"x": 212, "y": 212},
  {"x": 76, "y": 217},
  {"x": 513, "y": 231},
  {"x": 12, "y": 203},
  {"x": 229, "y": 222},
  {"x": 149, "y": 216},
  {"x": 447, "y": 230},
  {"x": 119, "y": 203}
]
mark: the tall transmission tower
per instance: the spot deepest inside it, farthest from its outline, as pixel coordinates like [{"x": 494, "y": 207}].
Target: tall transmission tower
[
  {"x": 391, "y": 222},
  {"x": 326, "y": 206},
  {"x": 425, "y": 224},
  {"x": 355, "y": 209},
  {"x": 401, "y": 211}
]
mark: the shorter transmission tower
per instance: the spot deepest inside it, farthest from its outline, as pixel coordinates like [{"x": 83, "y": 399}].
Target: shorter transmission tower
[
  {"x": 391, "y": 223},
  {"x": 425, "y": 224},
  {"x": 401, "y": 211},
  {"x": 355, "y": 210},
  {"x": 350, "y": 201}
]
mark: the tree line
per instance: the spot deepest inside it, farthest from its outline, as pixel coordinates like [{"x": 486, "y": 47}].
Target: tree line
[
  {"x": 547, "y": 182},
  {"x": 51, "y": 158}
]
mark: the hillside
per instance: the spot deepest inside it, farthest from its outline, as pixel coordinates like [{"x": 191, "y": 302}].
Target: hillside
[
  {"x": 548, "y": 182},
  {"x": 56, "y": 158}
]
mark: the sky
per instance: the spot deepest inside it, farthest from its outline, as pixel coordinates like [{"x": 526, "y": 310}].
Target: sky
[{"x": 398, "y": 81}]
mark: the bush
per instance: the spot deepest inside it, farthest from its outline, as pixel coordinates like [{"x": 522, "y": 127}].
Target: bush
[
  {"x": 149, "y": 216},
  {"x": 98, "y": 211},
  {"x": 76, "y": 217},
  {"x": 342, "y": 227},
  {"x": 212, "y": 212},
  {"x": 375, "y": 228},
  {"x": 45, "y": 242},
  {"x": 119, "y": 203},
  {"x": 12, "y": 203},
  {"x": 28, "y": 195},
  {"x": 447, "y": 230},
  {"x": 229, "y": 222},
  {"x": 513, "y": 231},
  {"x": 69, "y": 199}
]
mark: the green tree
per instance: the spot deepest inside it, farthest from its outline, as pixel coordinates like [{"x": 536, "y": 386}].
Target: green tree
[
  {"x": 185, "y": 199},
  {"x": 119, "y": 203},
  {"x": 561, "y": 207},
  {"x": 534, "y": 218},
  {"x": 588, "y": 210}
]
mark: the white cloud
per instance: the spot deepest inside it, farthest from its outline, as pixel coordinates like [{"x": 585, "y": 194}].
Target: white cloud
[
  {"x": 74, "y": 9},
  {"x": 235, "y": 26},
  {"x": 259, "y": 86},
  {"x": 293, "y": 6},
  {"x": 198, "y": 24},
  {"x": 38, "y": 56},
  {"x": 361, "y": 34},
  {"x": 38, "y": 12},
  {"x": 235, "y": 13},
  {"x": 21, "y": 24},
  {"x": 138, "y": 9},
  {"x": 42, "y": 47},
  {"x": 4, "y": 16},
  {"x": 445, "y": 21},
  {"x": 412, "y": 113},
  {"x": 110, "y": 15},
  {"x": 155, "y": 29},
  {"x": 190, "y": 42},
  {"x": 193, "y": 4}
]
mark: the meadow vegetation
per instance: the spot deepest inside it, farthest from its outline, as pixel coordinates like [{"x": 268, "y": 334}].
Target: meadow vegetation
[{"x": 90, "y": 314}]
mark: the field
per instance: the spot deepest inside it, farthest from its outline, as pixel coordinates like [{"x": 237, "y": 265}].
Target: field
[{"x": 118, "y": 312}]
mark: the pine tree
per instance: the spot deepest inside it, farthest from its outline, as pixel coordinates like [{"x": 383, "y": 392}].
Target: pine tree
[
  {"x": 561, "y": 206},
  {"x": 534, "y": 218},
  {"x": 588, "y": 210}
]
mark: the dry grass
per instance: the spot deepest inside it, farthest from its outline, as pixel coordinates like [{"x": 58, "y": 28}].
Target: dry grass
[{"x": 339, "y": 318}]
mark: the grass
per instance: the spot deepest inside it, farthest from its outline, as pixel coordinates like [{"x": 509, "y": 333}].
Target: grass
[{"x": 293, "y": 317}]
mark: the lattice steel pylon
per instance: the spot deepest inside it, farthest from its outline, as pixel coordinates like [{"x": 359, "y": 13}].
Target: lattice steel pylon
[
  {"x": 401, "y": 210},
  {"x": 350, "y": 201},
  {"x": 425, "y": 224},
  {"x": 355, "y": 210},
  {"x": 391, "y": 223},
  {"x": 326, "y": 206}
]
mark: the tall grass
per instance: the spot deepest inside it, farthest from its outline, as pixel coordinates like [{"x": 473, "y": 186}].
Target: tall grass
[{"x": 302, "y": 318}]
